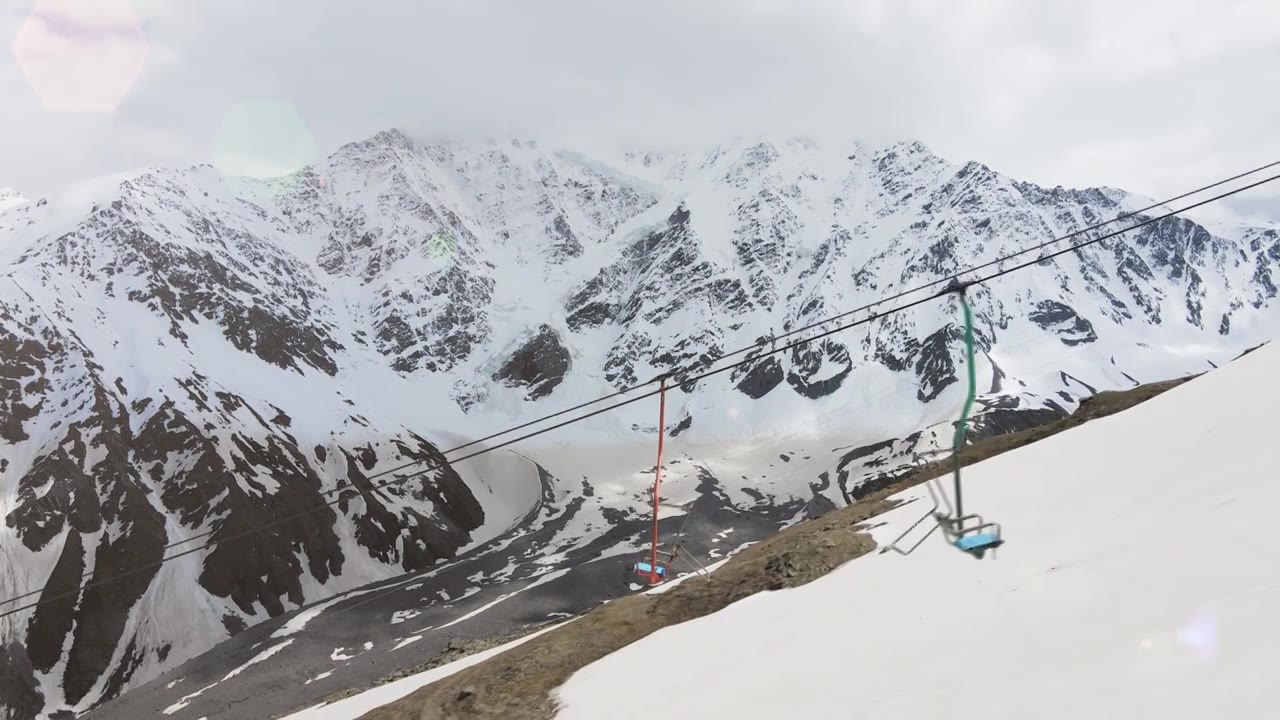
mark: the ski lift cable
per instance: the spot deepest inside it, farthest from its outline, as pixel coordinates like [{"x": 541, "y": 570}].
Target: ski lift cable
[
  {"x": 772, "y": 339},
  {"x": 682, "y": 377},
  {"x": 700, "y": 376}
]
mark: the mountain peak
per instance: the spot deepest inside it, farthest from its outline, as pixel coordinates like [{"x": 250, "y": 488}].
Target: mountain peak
[
  {"x": 10, "y": 198},
  {"x": 394, "y": 137}
]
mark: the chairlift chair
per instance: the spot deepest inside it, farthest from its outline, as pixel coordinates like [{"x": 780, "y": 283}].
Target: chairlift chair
[
  {"x": 644, "y": 565},
  {"x": 968, "y": 533},
  {"x": 976, "y": 539}
]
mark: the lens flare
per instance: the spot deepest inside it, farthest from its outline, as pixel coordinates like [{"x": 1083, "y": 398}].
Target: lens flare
[
  {"x": 81, "y": 56},
  {"x": 442, "y": 247},
  {"x": 261, "y": 147},
  {"x": 1201, "y": 635}
]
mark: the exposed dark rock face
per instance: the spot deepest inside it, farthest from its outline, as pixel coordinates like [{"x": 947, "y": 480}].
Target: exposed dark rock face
[
  {"x": 819, "y": 371},
  {"x": 1002, "y": 421},
  {"x": 760, "y": 378},
  {"x": 233, "y": 625},
  {"x": 1071, "y": 328},
  {"x": 635, "y": 291},
  {"x": 18, "y": 689},
  {"x": 865, "y": 451},
  {"x": 587, "y": 309},
  {"x": 936, "y": 364},
  {"x": 684, "y": 424},
  {"x": 450, "y": 335},
  {"x": 1067, "y": 380},
  {"x": 48, "y": 629},
  {"x": 23, "y": 381},
  {"x": 89, "y": 483},
  {"x": 538, "y": 366},
  {"x": 133, "y": 658},
  {"x": 818, "y": 506}
]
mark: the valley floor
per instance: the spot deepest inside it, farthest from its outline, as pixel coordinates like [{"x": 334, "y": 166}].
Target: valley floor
[{"x": 369, "y": 636}]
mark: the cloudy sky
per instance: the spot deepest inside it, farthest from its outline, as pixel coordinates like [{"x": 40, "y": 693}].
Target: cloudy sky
[{"x": 1153, "y": 96}]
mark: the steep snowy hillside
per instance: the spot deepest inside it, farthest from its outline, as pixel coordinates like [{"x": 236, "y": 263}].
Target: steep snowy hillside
[
  {"x": 187, "y": 357},
  {"x": 1118, "y": 593},
  {"x": 166, "y": 388}
]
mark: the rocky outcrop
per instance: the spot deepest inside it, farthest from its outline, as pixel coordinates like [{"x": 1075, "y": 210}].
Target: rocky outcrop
[
  {"x": 538, "y": 366},
  {"x": 1059, "y": 318}
]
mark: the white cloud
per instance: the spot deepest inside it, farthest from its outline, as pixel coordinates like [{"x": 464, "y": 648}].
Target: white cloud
[{"x": 1150, "y": 95}]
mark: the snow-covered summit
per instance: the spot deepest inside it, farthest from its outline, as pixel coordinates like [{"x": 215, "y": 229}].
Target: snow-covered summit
[{"x": 10, "y": 198}]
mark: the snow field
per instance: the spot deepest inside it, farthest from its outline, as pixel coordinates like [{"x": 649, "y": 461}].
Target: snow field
[{"x": 1139, "y": 580}]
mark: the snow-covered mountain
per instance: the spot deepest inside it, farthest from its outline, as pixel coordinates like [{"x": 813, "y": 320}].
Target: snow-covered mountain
[
  {"x": 187, "y": 357},
  {"x": 1112, "y": 596},
  {"x": 10, "y": 198}
]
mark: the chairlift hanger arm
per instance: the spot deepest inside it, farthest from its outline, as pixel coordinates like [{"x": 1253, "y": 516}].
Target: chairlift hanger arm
[{"x": 977, "y": 539}]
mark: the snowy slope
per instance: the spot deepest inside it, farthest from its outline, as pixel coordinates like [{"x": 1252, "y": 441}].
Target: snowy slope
[
  {"x": 1139, "y": 579},
  {"x": 190, "y": 356}
]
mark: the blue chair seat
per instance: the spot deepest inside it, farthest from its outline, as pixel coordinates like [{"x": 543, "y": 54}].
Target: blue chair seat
[
  {"x": 981, "y": 541},
  {"x": 645, "y": 568}
]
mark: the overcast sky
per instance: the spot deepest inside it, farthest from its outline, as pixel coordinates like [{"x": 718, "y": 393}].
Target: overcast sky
[{"x": 1155, "y": 97}]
